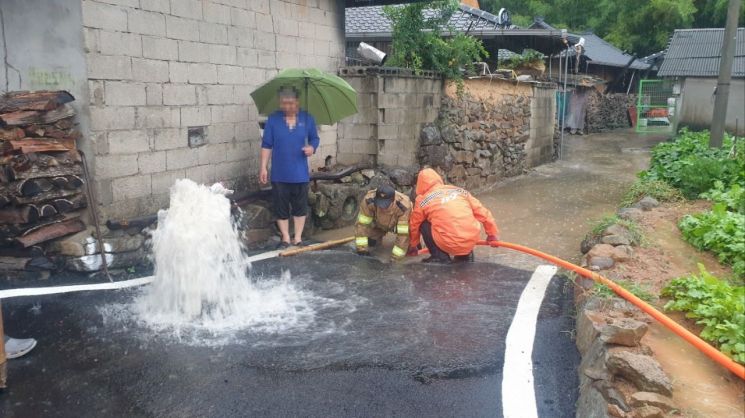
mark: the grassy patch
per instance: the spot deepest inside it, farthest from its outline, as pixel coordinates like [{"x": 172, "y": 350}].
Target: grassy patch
[
  {"x": 636, "y": 289},
  {"x": 636, "y": 232},
  {"x": 660, "y": 190}
]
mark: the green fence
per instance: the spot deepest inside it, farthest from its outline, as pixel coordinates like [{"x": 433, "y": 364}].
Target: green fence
[{"x": 655, "y": 106}]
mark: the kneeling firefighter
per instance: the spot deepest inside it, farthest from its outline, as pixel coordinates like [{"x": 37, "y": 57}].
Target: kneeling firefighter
[
  {"x": 383, "y": 210},
  {"x": 449, "y": 219}
]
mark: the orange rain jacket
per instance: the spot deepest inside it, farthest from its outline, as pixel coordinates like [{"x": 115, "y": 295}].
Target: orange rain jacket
[{"x": 454, "y": 214}]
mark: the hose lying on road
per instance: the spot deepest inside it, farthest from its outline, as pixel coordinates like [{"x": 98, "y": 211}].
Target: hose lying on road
[{"x": 668, "y": 322}]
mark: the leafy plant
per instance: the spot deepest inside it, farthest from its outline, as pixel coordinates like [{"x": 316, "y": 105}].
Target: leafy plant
[
  {"x": 420, "y": 44},
  {"x": 690, "y": 165},
  {"x": 657, "y": 189},
  {"x": 714, "y": 303},
  {"x": 719, "y": 231},
  {"x": 528, "y": 59}
]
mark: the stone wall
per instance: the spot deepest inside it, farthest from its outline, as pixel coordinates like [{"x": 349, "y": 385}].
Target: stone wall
[
  {"x": 495, "y": 129},
  {"x": 169, "y": 86},
  {"x": 608, "y": 111},
  {"x": 393, "y": 107}
]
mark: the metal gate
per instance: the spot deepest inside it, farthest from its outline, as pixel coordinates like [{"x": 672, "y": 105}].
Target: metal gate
[{"x": 655, "y": 106}]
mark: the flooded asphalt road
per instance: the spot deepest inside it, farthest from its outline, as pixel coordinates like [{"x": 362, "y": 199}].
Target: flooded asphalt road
[{"x": 418, "y": 340}]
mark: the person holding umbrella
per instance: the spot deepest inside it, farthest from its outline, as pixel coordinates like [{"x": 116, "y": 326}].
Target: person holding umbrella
[{"x": 290, "y": 137}]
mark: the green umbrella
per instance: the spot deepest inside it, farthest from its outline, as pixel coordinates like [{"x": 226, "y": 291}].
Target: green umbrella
[{"x": 325, "y": 96}]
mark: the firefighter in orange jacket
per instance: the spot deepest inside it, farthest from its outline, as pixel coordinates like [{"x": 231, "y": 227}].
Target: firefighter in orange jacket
[
  {"x": 448, "y": 218},
  {"x": 383, "y": 210}
]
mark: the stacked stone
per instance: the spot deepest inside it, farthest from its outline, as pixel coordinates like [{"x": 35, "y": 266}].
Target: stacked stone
[
  {"x": 475, "y": 143},
  {"x": 608, "y": 111}
]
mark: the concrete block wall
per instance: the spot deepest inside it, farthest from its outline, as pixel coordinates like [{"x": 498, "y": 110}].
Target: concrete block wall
[
  {"x": 540, "y": 145},
  {"x": 157, "y": 68},
  {"x": 393, "y": 108}
]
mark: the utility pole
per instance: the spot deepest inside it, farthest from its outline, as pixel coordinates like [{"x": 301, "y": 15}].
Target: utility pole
[{"x": 725, "y": 75}]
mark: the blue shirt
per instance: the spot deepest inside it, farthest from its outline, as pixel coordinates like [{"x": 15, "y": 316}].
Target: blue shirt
[{"x": 289, "y": 163}]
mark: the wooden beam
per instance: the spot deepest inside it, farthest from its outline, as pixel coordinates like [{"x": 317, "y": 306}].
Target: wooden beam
[
  {"x": 49, "y": 232},
  {"x": 36, "y": 100}
]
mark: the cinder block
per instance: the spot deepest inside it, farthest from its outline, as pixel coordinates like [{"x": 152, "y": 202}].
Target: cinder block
[
  {"x": 109, "y": 67},
  {"x": 178, "y": 72},
  {"x": 213, "y": 33},
  {"x": 241, "y": 36},
  {"x": 124, "y": 94},
  {"x": 179, "y": 94},
  {"x": 112, "y": 117},
  {"x": 131, "y": 187},
  {"x": 287, "y": 60},
  {"x": 128, "y": 142},
  {"x": 201, "y": 95},
  {"x": 327, "y": 33},
  {"x": 247, "y": 131},
  {"x": 183, "y": 29},
  {"x": 244, "y": 18},
  {"x": 242, "y": 94},
  {"x": 388, "y": 131},
  {"x": 193, "y": 51},
  {"x": 229, "y": 170},
  {"x": 287, "y": 27},
  {"x": 168, "y": 138},
  {"x": 241, "y": 150},
  {"x": 254, "y": 76},
  {"x": 187, "y": 8},
  {"x": 157, "y": 117},
  {"x": 287, "y": 44},
  {"x": 150, "y": 70},
  {"x": 247, "y": 57},
  {"x": 104, "y": 16},
  {"x": 211, "y": 154},
  {"x": 112, "y": 166},
  {"x": 267, "y": 60},
  {"x": 218, "y": 133},
  {"x": 216, "y": 13},
  {"x": 203, "y": 174},
  {"x": 265, "y": 41},
  {"x": 118, "y": 43},
  {"x": 202, "y": 73},
  {"x": 321, "y": 47},
  {"x": 265, "y": 23},
  {"x": 181, "y": 158},
  {"x": 261, "y": 6},
  {"x": 229, "y": 113},
  {"x": 162, "y": 182},
  {"x": 220, "y": 94},
  {"x": 222, "y": 54},
  {"x": 195, "y": 116},
  {"x": 163, "y": 6},
  {"x": 125, "y": 3},
  {"x": 228, "y": 74},
  {"x": 90, "y": 40},
  {"x": 146, "y": 23},
  {"x": 159, "y": 48},
  {"x": 151, "y": 162}
]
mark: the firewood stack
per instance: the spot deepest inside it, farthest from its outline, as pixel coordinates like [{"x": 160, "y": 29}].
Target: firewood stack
[{"x": 41, "y": 177}]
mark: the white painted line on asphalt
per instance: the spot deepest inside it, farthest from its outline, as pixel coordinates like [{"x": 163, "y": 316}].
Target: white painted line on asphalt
[{"x": 518, "y": 393}]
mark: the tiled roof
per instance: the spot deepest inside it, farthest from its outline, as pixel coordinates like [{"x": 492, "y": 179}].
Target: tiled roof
[
  {"x": 601, "y": 52},
  {"x": 696, "y": 53},
  {"x": 371, "y": 19}
]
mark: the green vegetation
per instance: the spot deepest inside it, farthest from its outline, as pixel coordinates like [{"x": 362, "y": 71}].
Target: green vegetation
[
  {"x": 636, "y": 232},
  {"x": 657, "y": 189},
  {"x": 690, "y": 165},
  {"x": 641, "y": 26},
  {"x": 418, "y": 41},
  {"x": 529, "y": 59},
  {"x": 722, "y": 229},
  {"x": 636, "y": 289},
  {"x": 714, "y": 303}
]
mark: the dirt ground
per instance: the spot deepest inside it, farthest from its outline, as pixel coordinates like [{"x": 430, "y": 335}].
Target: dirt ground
[{"x": 701, "y": 387}]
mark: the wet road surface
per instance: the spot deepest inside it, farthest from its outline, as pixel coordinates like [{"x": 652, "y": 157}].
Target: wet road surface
[{"x": 416, "y": 340}]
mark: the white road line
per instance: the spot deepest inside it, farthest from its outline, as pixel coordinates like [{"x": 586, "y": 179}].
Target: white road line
[{"x": 518, "y": 393}]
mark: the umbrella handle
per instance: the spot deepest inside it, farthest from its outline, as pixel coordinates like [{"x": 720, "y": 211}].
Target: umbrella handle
[{"x": 306, "y": 110}]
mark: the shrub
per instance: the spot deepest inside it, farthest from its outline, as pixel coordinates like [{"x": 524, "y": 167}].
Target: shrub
[
  {"x": 657, "y": 189},
  {"x": 715, "y": 304},
  {"x": 720, "y": 231}
]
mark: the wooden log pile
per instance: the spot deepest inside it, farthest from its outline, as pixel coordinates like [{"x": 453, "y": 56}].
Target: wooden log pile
[
  {"x": 606, "y": 112},
  {"x": 41, "y": 177}
]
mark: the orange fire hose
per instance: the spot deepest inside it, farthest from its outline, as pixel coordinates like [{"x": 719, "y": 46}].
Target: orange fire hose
[{"x": 693, "y": 339}]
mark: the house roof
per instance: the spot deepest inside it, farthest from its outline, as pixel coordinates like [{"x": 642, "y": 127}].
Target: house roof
[
  {"x": 696, "y": 53},
  {"x": 371, "y": 19},
  {"x": 601, "y": 52}
]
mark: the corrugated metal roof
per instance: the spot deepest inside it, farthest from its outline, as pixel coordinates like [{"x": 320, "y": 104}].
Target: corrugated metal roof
[
  {"x": 371, "y": 19},
  {"x": 696, "y": 53}
]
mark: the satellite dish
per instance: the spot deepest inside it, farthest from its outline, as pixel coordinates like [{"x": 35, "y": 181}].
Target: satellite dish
[{"x": 504, "y": 17}]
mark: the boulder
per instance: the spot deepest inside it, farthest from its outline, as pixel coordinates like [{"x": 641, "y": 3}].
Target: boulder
[
  {"x": 616, "y": 240},
  {"x": 612, "y": 395},
  {"x": 430, "y": 135},
  {"x": 617, "y": 235},
  {"x": 622, "y": 253},
  {"x": 648, "y": 203},
  {"x": 368, "y": 173},
  {"x": 630, "y": 214},
  {"x": 600, "y": 263},
  {"x": 649, "y": 412},
  {"x": 591, "y": 403},
  {"x": 642, "y": 371},
  {"x": 601, "y": 250},
  {"x": 255, "y": 216},
  {"x": 640, "y": 399},
  {"x": 589, "y": 242},
  {"x": 589, "y": 324},
  {"x": 615, "y": 411},
  {"x": 401, "y": 176},
  {"x": 358, "y": 178},
  {"x": 623, "y": 331}
]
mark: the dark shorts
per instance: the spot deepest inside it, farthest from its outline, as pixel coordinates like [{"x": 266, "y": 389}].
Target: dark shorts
[{"x": 290, "y": 199}]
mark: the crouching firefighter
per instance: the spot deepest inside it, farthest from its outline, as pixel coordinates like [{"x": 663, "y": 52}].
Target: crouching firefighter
[{"x": 383, "y": 210}]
